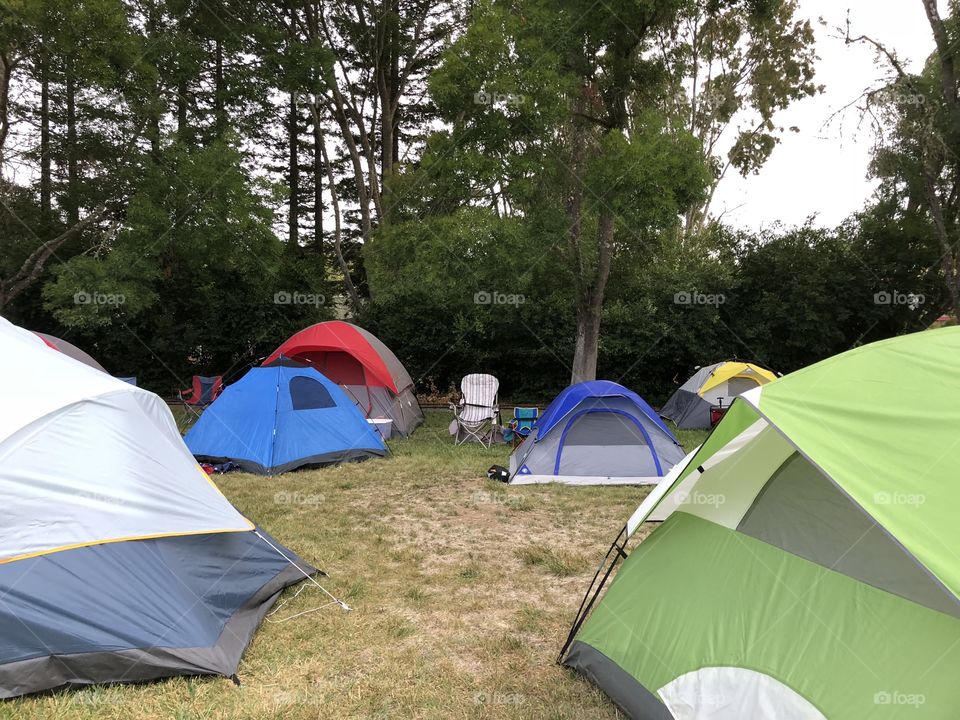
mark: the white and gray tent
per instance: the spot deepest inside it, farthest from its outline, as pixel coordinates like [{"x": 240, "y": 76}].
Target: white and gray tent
[
  {"x": 596, "y": 433},
  {"x": 121, "y": 561}
]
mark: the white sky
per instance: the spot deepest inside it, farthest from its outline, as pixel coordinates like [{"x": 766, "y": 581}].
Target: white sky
[{"x": 822, "y": 171}]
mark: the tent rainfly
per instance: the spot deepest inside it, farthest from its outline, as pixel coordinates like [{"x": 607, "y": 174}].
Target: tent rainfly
[
  {"x": 596, "y": 433},
  {"x": 689, "y": 407},
  {"x": 120, "y": 561},
  {"x": 362, "y": 365},
  {"x": 70, "y": 350},
  {"x": 806, "y": 566}
]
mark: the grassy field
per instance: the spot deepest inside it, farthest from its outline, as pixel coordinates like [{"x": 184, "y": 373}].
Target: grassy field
[{"x": 462, "y": 592}]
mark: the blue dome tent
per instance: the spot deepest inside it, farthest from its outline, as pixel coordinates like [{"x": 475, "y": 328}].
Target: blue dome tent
[
  {"x": 280, "y": 418},
  {"x": 596, "y": 433}
]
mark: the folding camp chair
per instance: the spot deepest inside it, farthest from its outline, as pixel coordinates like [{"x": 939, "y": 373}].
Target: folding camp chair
[
  {"x": 524, "y": 418},
  {"x": 477, "y": 415},
  {"x": 203, "y": 391}
]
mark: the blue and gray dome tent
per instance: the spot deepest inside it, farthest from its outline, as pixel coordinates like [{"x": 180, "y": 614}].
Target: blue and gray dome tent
[
  {"x": 120, "y": 562},
  {"x": 596, "y": 433},
  {"x": 280, "y": 418}
]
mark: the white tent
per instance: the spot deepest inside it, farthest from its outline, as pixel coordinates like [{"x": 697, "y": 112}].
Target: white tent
[
  {"x": 131, "y": 478},
  {"x": 120, "y": 561}
]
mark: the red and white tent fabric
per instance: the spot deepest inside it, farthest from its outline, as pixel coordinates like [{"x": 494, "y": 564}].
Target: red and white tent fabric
[{"x": 359, "y": 362}]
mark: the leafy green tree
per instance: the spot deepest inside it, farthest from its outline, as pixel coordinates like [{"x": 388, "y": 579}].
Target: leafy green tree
[
  {"x": 67, "y": 65},
  {"x": 196, "y": 278},
  {"x": 918, "y": 156},
  {"x": 456, "y": 297},
  {"x": 561, "y": 121},
  {"x": 733, "y": 66}
]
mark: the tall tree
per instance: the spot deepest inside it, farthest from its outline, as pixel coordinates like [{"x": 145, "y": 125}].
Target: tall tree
[
  {"x": 65, "y": 50},
  {"x": 733, "y": 66},
  {"x": 918, "y": 154},
  {"x": 567, "y": 114}
]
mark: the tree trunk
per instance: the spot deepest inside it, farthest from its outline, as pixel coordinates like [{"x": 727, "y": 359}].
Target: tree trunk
[
  {"x": 590, "y": 305},
  {"x": 363, "y": 196},
  {"x": 7, "y": 65},
  {"x": 951, "y": 271},
  {"x": 389, "y": 82},
  {"x": 945, "y": 53},
  {"x": 33, "y": 266},
  {"x": 587, "y": 342},
  {"x": 220, "y": 117},
  {"x": 182, "y": 107},
  {"x": 293, "y": 232},
  {"x": 386, "y": 154},
  {"x": 318, "y": 141},
  {"x": 352, "y": 295},
  {"x": 46, "y": 182},
  {"x": 943, "y": 223},
  {"x": 588, "y": 327},
  {"x": 152, "y": 126},
  {"x": 72, "y": 203}
]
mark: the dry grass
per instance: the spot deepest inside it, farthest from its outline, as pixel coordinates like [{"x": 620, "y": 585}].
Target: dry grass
[{"x": 463, "y": 591}]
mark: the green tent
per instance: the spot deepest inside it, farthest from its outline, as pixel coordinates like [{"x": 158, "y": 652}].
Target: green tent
[{"x": 808, "y": 562}]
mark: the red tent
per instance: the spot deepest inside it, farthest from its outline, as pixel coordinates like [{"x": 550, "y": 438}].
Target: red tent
[{"x": 359, "y": 362}]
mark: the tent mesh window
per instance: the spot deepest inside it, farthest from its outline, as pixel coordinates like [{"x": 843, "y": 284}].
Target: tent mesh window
[
  {"x": 740, "y": 385},
  {"x": 309, "y": 394}
]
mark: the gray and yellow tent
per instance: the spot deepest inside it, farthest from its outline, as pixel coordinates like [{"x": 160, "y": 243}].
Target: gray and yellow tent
[
  {"x": 689, "y": 407},
  {"x": 807, "y": 566}
]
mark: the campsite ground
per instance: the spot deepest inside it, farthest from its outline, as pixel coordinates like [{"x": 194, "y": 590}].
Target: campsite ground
[{"x": 462, "y": 592}]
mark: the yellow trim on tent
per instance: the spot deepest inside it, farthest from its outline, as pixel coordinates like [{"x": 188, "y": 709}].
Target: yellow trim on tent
[
  {"x": 730, "y": 370},
  {"x": 27, "y": 556},
  {"x": 206, "y": 476},
  {"x": 75, "y": 546}
]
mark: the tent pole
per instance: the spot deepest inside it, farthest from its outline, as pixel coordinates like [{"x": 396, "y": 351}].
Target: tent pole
[
  {"x": 588, "y": 600},
  {"x": 276, "y": 412}
]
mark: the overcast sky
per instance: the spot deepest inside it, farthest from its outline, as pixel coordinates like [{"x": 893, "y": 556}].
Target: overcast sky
[{"x": 822, "y": 171}]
